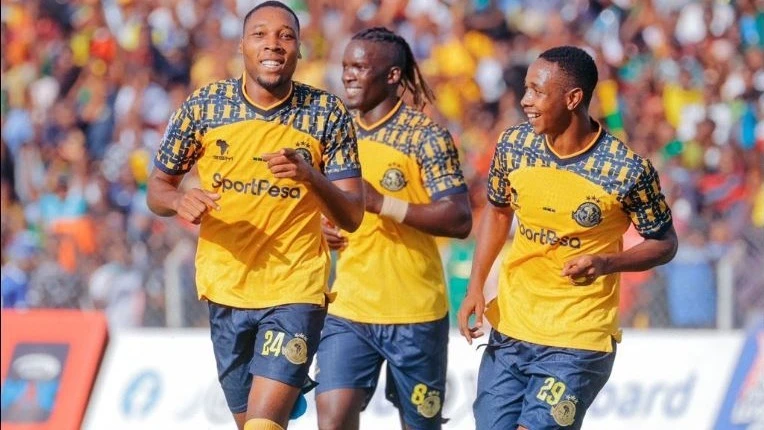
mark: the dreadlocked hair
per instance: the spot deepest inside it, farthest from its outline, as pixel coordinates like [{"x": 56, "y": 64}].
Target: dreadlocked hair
[{"x": 411, "y": 78}]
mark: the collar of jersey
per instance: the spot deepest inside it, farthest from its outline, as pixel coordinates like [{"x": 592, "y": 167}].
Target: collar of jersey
[
  {"x": 572, "y": 158},
  {"x": 264, "y": 110},
  {"x": 382, "y": 121}
]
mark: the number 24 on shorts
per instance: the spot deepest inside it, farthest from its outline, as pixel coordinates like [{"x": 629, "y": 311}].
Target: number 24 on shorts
[
  {"x": 273, "y": 342},
  {"x": 552, "y": 391}
]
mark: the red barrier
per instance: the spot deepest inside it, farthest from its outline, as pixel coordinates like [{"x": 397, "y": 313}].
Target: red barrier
[{"x": 49, "y": 362}]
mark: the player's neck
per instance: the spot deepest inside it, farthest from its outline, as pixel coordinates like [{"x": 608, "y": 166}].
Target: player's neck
[
  {"x": 575, "y": 137},
  {"x": 379, "y": 112},
  {"x": 266, "y": 97}
]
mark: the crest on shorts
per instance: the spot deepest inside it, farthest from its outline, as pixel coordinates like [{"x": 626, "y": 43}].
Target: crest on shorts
[
  {"x": 303, "y": 150},
  {"x": 393, "y": 179},
  {"x": 296, "y": 350},
  {"x": 588, "y": 214},
  {"x": 564, "y": 413},
  {"x": 430, "y": 406}
]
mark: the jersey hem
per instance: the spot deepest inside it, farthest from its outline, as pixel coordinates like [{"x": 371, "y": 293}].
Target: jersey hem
[
  {"x": 242, "y": 304},
  {"x": 540, "y": 340},
  {"x": 390, "y": 319}
]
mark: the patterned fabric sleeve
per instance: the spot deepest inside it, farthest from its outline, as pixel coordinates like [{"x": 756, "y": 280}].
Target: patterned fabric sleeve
[
  {"x": 646, "y": 204},
  {"x": 439, "y": 164},
  {"x": 499, "y": 191},
  {"x": 180, "y": 147},
  {"x": 340, "y": 158}
]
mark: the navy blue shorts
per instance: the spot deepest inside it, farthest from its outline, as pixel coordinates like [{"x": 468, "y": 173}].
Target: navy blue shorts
[
  {"x": 535, "y": 386},
  {"x": 351, "y": 354},
  {"x": 276, "y": 343}
]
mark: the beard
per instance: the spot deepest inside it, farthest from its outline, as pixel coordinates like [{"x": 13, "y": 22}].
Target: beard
[{"x": 271, "y": 84}]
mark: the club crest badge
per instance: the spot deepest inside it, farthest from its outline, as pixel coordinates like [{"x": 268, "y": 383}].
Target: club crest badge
[
  {"x": 588, "y": 213},
  {"x": 564, "y": 413},
  {"x": 430, "y": 406},
  {"x": 393, "y": 179},
  {"x": 303, "y": 150},
  {"x": 296, "y": 350}
]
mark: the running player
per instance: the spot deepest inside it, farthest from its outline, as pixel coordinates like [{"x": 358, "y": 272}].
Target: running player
[
  {"x": 391, "y": 298},
  {"x": 272, "y": 155},
  {"x": 575, "y": 189}
]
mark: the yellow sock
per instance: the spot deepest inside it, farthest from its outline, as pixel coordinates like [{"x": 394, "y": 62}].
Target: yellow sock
[{"x": 261, "y": 424}]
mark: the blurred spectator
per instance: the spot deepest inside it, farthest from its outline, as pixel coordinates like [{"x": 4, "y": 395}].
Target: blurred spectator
[{"x": 88, "y": 86}]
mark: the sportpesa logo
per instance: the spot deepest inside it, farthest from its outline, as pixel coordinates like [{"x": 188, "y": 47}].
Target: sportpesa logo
[
  {"x": 255, "y": 187},
  {"x": 548, "y": 237}
]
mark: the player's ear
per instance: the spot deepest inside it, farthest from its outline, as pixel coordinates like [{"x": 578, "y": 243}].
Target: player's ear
[
  {"x": 394, "y": 75},
  {"x": 299, "y": 51},
  {"x": 241, "y": 46},
  {"x": 574, "y": 98}
]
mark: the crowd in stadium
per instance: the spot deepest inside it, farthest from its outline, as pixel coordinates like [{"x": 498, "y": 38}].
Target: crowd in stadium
[{"x": 88, "y": 87}]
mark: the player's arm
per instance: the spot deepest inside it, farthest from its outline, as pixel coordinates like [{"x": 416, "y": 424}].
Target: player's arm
[
  {"x": 449, "y": 216},
  {"x": 492, "y": 233},
  {"x": 339, "y": 186},
  {"x": 650, "y": 214},
  {"x": 165, "y": 199},
  {"x": 177, "y": 152},
  {"x": 448, "y": 213},
  {"x": 340, "y": 200}
]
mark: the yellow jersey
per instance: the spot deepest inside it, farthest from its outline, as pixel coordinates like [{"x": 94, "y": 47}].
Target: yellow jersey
[
  {"x": 264, "y": 246},
  {"x": 567, "y": 207},
  {"x": 391, "y": 273}
]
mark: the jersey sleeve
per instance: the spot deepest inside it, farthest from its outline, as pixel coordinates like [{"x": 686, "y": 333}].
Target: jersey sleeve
[
  {"x": 646, "y": 204},
  {"x": 439, "y": 165},
  {"x": 180, "y": 146},
  {"x": 499, "y": 191},
  {"x": 340, "y": 157}
]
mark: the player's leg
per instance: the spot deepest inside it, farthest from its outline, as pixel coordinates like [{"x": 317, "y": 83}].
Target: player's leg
[
  {"x": 563, "y": 384},
  {"x": 501, "y": 385},
  {"x": 347, "y": 370},
  {"x": 417, "y": 356},
  {"x": 287, "y": 338},
  {"x": 233, "y": 342}
]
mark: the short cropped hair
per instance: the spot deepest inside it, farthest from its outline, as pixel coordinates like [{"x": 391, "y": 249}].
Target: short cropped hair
[
  {"x": 272, "y": 3},
  {"x": 578, "y": 65}
]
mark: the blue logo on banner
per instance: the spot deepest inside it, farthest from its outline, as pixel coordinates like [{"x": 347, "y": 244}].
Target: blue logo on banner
[
  {"x": 31, "y": 386},
  {"x": 743, "y": 406},
  {"x": 142, "y": 394}
]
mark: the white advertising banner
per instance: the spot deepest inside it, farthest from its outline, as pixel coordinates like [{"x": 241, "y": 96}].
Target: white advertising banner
[{"x": 166, "y": 379}]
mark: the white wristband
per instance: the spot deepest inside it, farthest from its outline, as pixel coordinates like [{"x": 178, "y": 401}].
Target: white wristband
[{"x": 394, "y": 209}]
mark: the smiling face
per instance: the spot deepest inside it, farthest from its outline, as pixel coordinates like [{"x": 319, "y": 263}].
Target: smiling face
[
  {"x": 270, "y": 46},
  {"x": 547, "y": 101},
  {"x": 368, "y": 75}
]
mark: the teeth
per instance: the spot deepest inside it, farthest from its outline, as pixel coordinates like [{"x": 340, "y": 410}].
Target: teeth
[{"x": 269, "y": 63}]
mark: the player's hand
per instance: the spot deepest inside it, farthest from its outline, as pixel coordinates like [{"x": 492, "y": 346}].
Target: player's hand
[
  {"x": 584, "y": 270},
  {"x": 195, "y": 203},
  {"x": 474, "y": 303},
  {"x": 287, "y": 163},
  {"x": 334, "y": 237},
  {"x": 373, "y": 198}
]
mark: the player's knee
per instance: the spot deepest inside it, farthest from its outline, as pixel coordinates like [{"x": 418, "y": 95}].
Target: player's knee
[
  {"x": 331, "y": 419},
  {"x": 262, "y": 424}
]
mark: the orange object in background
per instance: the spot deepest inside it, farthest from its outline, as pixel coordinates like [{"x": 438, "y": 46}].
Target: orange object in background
[{"x": 49, "y": 360}]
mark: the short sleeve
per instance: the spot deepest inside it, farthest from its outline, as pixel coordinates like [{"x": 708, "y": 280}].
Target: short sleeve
[
  {"x": 180, "y": 146},
  {"x": 340, "y": 157},
  {"x": 439, "y": 165},
  {"x": 646, "y": 205},
  {"x": 499, "y": 193}
]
